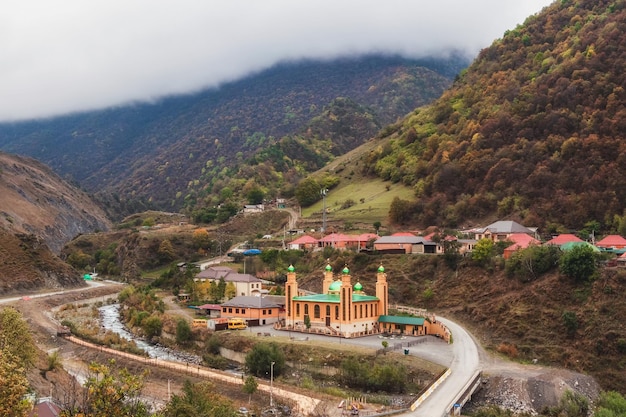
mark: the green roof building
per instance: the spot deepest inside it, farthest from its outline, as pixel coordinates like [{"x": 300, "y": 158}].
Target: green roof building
[{"x": 342, "y": 309}]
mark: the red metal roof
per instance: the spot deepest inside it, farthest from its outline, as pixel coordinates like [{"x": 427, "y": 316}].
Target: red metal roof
[
  {"x": 563, "y": 238},
  {"x": 612, "y": 241},
  {"x": 303, "y": 240}
]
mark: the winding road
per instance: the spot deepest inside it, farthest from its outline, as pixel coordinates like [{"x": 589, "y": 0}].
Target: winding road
[
  {"x": 465, "y": 363},
  {"x": 461, "y": 357}
]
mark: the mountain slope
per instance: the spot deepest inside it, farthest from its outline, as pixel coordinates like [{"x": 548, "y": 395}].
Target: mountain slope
[
  {"x": 533, "y": 129},
  {"x": 153, "y": 152},
  {"x": 37, "y": 201},
  {"x": 39, "y": 214}
]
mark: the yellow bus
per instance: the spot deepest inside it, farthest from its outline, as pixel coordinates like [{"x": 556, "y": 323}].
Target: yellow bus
[
  {"x": 237, "y": 324},
  {"x": 199, "y": 323}
]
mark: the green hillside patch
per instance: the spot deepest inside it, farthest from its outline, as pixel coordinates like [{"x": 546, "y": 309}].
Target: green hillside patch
[{"x": 367, "y": 200}]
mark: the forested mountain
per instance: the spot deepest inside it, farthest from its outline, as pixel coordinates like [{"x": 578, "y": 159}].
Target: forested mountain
[
  {"x": 533, "y": 129},
  {"x": 181, "y": 150}
]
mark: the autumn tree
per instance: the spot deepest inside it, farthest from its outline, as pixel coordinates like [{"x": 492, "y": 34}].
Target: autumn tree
[
  {"x": 166, "y": 251},
  {"x": 250, "y": 386},
  {"x": 110, "y": 393},
  {"x": 13, "y": 385},
  {"x": 221, "y": 289},
  {"x": 201, "y": 239},
  {"x": 230, "y": 291},
  {"x": 15, "y": 337},
  {"x": 199, "y": 400},
  {"x": 483, "y": 251}
]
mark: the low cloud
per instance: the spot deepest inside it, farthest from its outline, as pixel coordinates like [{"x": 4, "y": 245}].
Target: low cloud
[{"x": 96, "y": 54}]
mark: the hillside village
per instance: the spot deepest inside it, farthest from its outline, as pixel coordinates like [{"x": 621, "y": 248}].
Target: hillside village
[
  {"x": 504, "y": 231},
  {"x": 248, "y": 297},
  {"x": 532, "y": 130}
]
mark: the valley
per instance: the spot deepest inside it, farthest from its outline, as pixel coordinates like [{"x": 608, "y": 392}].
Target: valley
[
  {"x": 506, "y": 382},
  {"x": 423, "y": 152}
]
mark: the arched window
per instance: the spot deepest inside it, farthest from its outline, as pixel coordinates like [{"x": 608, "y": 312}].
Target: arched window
[
  {"x": 306, "y": 309},
  {"x": 316, "y": 311},
  {"x": 327, "y": 311},
  {"x": 336, "y": 312},
  {"x": 297, "y": 309}
]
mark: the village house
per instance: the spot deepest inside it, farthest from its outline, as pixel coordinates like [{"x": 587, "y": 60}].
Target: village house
[
  {"x": 520, "y": 241},
  {"x": 501, "y": 231},
  {"x": 257, "y": 311},
  {"x": 245, "y": 284},
  {"x": 562, "y": 239},
  {"x": 342, "y": 241},
  {"x": 334, "y": 240},
  {"x": 253, "y": 208},
  {"x": 397, "y": 243},
  {"x": 210, "y": 310},
  {"x": 403, "y": 243},
  {"x": 612, "y": 242},
  {"x": 466, "y": 245},
  {"x": 305, "y": 242}
]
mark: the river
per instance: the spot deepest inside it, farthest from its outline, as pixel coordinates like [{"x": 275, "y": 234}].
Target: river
[{"x": 110, "y": 320}]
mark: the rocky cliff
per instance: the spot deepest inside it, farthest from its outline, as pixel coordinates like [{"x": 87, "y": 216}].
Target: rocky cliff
[{"x": 39, "y": 213}]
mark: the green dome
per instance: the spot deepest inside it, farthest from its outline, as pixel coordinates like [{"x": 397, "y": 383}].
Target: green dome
[
  {"x": 381, "y": 269},
  {"x": 291, "y": 268},
  {"x": 358, "y": 286},
  {"x": 329, "y": 268},
  {"x": 335, "y": 286},
  {"x": 346, "y": 270}
]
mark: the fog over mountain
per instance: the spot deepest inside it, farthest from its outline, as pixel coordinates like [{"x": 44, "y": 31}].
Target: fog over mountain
[{"x": 90, "y": 55}]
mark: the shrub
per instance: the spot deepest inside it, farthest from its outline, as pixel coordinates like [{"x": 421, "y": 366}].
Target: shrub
[
  {"x": 213, "y": 345},
  {"x": 183, "y": 332},
  {"x": 571, "y": 322},
  {"x": 259, "y": 360},
  {"x": 508, "y": 349},
  {"x": 152, "y": 327},
  {"x": 215, "y": 361},
  {"x": 530, "y": 263},
  {"x": 54, "y": 361},
  {"x": 579, "y": 263}
]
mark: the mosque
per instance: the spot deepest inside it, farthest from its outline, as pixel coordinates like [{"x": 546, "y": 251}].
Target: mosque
[{"x": 343, "y": 309}]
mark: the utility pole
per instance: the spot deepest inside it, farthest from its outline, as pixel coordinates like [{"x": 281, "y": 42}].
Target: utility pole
[
  {"x": 272, "y": 384},
  {"x": 323, "y": 192}
]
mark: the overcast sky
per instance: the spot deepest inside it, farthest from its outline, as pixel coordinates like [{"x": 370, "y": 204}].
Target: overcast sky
[{"x": 72, "y": 55}]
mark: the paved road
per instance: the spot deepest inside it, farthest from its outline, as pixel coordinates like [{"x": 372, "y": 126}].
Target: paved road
[
  {"x": 461, "y": 357},
  {"x": 465, "y": 362}
]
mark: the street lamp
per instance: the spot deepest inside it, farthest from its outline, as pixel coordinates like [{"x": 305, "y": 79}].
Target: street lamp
[{"x": 272, "y": 384}]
